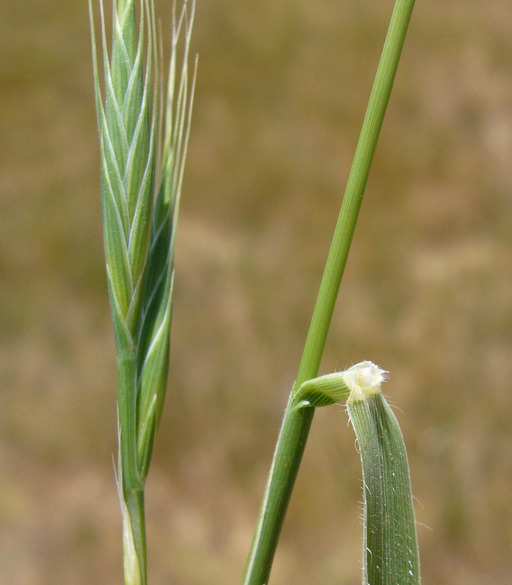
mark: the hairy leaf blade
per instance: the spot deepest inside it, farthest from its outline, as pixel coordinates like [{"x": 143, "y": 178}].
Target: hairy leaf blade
[{"x": 390, "y": 548}]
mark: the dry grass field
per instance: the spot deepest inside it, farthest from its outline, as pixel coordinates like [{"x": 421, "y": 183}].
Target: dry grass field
[{"x": 427, "y": 295}]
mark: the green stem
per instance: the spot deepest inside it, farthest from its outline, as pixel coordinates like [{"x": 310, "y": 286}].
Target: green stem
[
  {"x": 134, "y": 537},
  {"x": 131, "y": 486},
  {"x": 281, "y": 479},
  {"x": 297, "y": 422}
]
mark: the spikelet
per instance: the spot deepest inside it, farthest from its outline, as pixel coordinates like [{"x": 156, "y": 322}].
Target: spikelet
[{"x": 143, "y": 145}]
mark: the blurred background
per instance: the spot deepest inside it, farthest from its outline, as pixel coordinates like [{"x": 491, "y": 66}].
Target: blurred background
[{"x": 427, "y": 294}]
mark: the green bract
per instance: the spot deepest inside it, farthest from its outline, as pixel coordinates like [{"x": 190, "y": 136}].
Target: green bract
[{"x": 143, "y": 142}]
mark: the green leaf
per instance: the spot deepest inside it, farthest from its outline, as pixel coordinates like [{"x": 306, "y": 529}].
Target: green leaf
[{"x": 390, "y": 548}]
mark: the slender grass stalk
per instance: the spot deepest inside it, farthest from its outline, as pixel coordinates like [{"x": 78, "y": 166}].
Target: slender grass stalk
[
  {"x": 297, "y": 422},
  {"x": 143, "y": 144}
]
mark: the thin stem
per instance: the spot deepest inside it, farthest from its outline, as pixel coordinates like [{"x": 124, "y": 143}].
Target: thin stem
[
  {"x": 285, "y": 465},
  {"x": 297, "y": 422},
  {"x": 134, "y": 537},
  {"x": 131, "y": 484}
]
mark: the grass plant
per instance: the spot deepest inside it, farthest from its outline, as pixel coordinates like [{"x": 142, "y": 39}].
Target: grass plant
[
  {"x": 297, "y": 421},
  {"x": 143, "y": 143}
]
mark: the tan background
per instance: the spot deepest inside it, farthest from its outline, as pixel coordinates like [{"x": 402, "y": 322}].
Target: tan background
[{"x": 427, "y": 294}]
